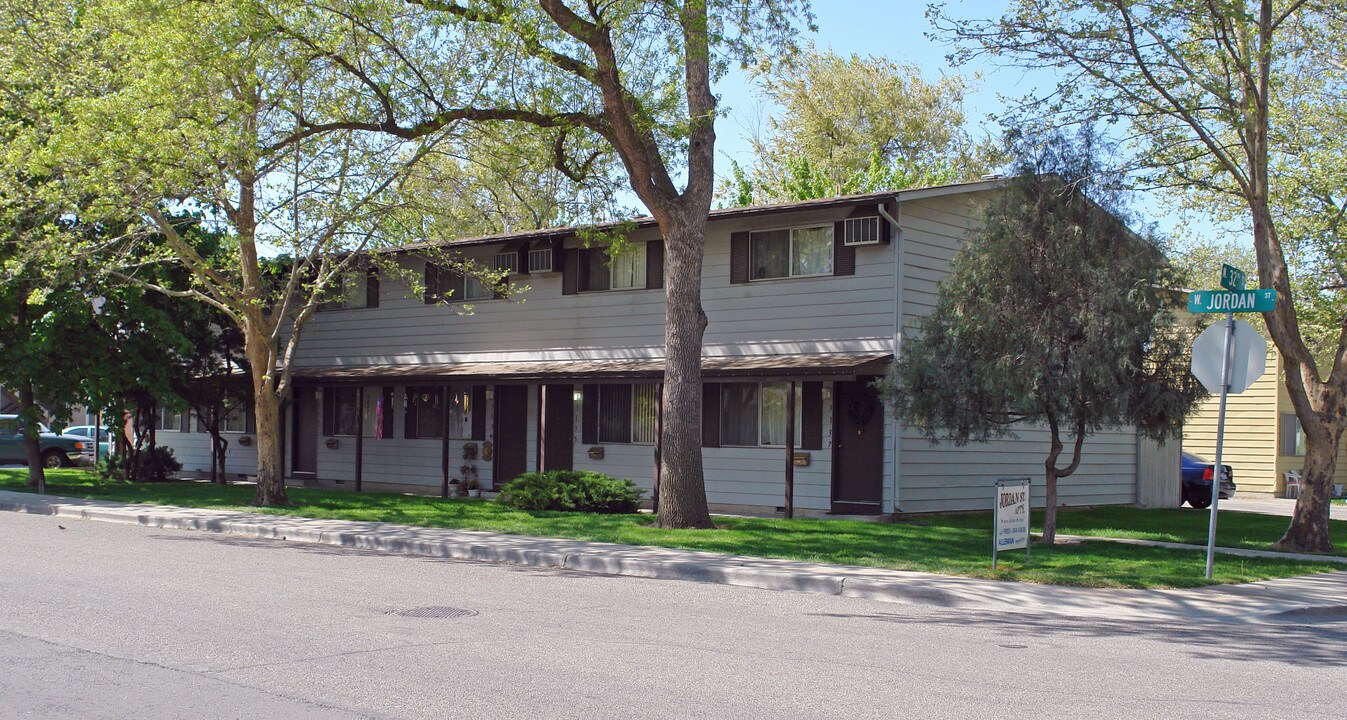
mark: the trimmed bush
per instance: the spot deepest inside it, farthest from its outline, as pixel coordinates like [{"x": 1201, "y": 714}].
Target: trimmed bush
[
  {"x": 571, "y": 490},
  {"x": 157, "y": 464}
]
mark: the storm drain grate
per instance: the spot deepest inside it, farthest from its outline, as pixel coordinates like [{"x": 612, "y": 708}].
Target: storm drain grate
[{"x": 435, "y": 611}]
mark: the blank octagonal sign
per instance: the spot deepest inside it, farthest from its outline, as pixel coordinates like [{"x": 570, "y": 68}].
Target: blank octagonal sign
[{"x": 1248, "y": 360}]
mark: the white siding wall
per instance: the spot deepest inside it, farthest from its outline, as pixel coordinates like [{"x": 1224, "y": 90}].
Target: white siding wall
[
  {"x": 827, "y": 314},
  {"x": 945, "y": 477},
  {"x": 398, "y": 459},
  {"x": 192, "y": 449},
  {"x": 824, "y": 314}
]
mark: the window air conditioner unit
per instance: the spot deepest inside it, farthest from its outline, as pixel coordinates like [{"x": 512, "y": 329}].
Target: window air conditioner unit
[
  {"x": 861, "y": 231},
  {"x": 508, "y": 261},
  {"x": 540, "y": 260}
]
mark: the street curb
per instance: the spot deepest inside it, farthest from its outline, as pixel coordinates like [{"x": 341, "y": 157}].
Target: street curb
[{"x": 912, "y": 588}]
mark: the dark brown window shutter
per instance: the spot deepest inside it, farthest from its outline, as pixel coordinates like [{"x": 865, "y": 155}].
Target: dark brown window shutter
[
  {"x": 570, "y": 271},
  {"x": 589, "y": 414},
  {"x": 185, "y": 421},
  {"x": 409, "y": 416},
  {"x": 329, "y": 410},
  {"x": 372, "y": 289},
  {"x": 388, "y": 412},
  {"x": 739, "y": 257},
  {"x": 478, "y": 412},
  {"x": 844, "y": 258},
  {"x": 654, "y": 264},
  {"x": 249, "y": 419},
  {"x": 522, "y": 253},
  {"x": 811, "y": 416},
  {"x": 434, "y": 289},
  {"x": 711, "y": 415}
]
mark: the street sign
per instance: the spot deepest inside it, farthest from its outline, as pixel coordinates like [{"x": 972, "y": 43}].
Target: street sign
[
  {"x": 1224, "y": 301},
  {"x": 1248, "y": 356},
  {"x": 1232, "y": 278}
]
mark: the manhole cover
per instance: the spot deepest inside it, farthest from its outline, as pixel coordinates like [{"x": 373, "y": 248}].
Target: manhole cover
[{"x": 436, "y": 612}]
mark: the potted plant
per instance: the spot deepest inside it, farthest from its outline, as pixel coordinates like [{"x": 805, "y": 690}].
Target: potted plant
[{"x": 474, "y": 489}]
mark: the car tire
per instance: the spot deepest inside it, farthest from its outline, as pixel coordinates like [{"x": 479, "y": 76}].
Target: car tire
[
  {"x": 1198, "y": 502},
  {"x": 53, "y": 459}
]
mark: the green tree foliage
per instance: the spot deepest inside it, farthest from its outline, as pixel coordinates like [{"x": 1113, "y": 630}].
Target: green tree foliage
[
  {"x": 1235, "y": 107},
  {"x": 633, "y": 76},
  {"x": 851, "y": 124},
  {"x": 1056, "y": 315},
  {"x": 502, "y": 178}
]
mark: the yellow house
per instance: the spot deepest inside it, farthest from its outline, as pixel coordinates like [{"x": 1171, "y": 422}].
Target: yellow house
[{"x": 1263, "y": 439}]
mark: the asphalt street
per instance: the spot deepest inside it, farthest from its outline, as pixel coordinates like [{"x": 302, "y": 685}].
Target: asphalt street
[{"x": 101, "y": 620}]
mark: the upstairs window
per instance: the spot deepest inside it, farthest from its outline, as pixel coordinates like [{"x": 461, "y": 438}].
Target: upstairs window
[
  {"x": 353, "y": 290},
  {"x": 624, "y": 271},
  {"x": 796, "y": 252},
  {"x": 444, "y": 285}
]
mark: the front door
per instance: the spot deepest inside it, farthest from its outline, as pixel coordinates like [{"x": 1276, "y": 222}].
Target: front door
[
  {"x": 858, "y": 449},
  {"x": 510, "y": 454},
  {"x": 558, "y": 427},
  {"x": 304, "y": 448}
]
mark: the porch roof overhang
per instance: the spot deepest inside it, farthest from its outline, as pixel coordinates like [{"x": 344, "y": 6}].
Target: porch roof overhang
[{"x": 839, "y": 366}]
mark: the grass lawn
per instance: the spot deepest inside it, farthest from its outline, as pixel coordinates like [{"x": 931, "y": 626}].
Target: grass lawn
[{"x": 949, "y": 544}]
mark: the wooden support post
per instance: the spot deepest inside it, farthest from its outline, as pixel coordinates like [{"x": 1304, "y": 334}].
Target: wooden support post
[
  {"x": 360, "y": 437},
  {"x": 444, "y": 442},
  {"x": 542, "y": 427},
  {"x": 790, "y": 450},
  {"x": 659, "y": 432}
]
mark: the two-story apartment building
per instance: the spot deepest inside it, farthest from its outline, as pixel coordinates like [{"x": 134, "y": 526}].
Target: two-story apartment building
[{"x": 808, "y": 303}]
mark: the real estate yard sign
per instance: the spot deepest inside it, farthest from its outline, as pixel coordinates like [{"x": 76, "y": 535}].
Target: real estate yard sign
[{"x": 1012, "y": 517}]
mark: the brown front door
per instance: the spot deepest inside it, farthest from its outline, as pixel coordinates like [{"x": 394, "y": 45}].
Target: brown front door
[
  {"x": 511, "y": 434},
  {"x": 558, "y": 427},
  {"x": 304, "y": 450},
  {"x": 858, "y": 449}
]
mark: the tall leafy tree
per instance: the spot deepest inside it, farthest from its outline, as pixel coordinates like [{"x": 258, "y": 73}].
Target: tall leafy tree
[
  {"x": 211, "y": 107},
  {"x": 631, "y": 75},
  {"x": 1055, "y": 314},
  {"x": 851, "y": 124},
  {"x": 1236, "y": 105}
]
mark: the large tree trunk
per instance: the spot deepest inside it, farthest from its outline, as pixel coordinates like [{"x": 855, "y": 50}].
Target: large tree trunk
[
  {"x": 1308, "y": 531},
  {"x": 682, "y": 501},
  {"x": 37, "y": 477},
  {"x": 267, "y": 408},
  {"x": 1318, "y": 404}
]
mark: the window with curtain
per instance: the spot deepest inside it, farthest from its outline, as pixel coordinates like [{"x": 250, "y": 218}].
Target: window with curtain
[
  {"x": 754, "y": 414},
  {"x": 624, "y": 271},
  {"x": 460, "y": 411},
  {"x": 795, "y": 252},
  {"x": 627, "y": 413}
]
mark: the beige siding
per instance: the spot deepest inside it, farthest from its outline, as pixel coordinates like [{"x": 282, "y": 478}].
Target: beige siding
[
  {"x": 1287, "y": 461},
  {"x": 1249, "y": 447}
]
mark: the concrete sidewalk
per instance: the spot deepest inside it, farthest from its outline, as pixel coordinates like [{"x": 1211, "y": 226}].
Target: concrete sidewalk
[
  {"x": 1310, "y": 598},
  {"x": 1273, "y": 506}
]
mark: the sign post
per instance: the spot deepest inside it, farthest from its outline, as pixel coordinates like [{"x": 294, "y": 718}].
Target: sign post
[
  {"x": 1235, "y": 352},
  {"x": 1010, "y": 527}
]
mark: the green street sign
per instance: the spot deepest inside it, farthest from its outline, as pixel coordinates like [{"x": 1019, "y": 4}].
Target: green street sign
[
  {"x": 1219, "y": 301},
  {"x": 1232, "y": 278}
]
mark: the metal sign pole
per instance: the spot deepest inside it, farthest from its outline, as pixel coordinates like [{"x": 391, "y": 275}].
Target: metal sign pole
[
  {"x": 1220, "y": 437},
  {"x": 996, "y": 522}
]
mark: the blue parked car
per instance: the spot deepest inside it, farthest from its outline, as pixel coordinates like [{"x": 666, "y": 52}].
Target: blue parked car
[{"x": 1196, "y": 473}]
